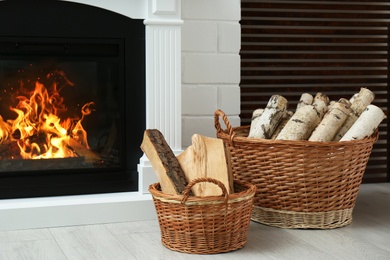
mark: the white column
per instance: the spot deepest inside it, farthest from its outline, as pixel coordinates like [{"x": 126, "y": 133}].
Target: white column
[{"x": 163, "y": 78}]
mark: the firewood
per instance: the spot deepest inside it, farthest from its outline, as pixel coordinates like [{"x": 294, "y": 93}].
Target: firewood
[
  {"x": 164, "y": 162},
  {"x": 359, "y": 102},
  {"x": 332, "y": 121},
  {"x": 207, "y": 157},
  {"x": 270, "y": 118},
  {"x": 320, "y": 103},
  {"x": 287, "y": 115},
  {"x": 306, "y": 99},
  {"x": 366, "y": 124},
  {"x": 82, "y": 151},
  {"x": 300, "y": 125},
  {"x": 257, "y": 113},
  {"x": 305, "y": 120}
]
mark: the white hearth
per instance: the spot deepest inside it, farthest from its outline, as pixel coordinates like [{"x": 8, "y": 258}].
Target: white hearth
[{"x": 162, "y": 19}]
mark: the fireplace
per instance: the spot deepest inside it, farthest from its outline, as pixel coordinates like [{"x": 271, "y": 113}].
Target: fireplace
[{"x": 72, "y": 101}]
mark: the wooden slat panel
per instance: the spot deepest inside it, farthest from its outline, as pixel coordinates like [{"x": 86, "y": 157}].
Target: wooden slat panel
[{"x": 335, "y": 47}]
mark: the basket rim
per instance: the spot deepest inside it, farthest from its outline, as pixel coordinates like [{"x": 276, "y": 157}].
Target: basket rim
[{"x": 245, "y": 194}]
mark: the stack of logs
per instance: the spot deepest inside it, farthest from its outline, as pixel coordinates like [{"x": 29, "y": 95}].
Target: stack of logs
[
  {"x": 318, "y": 119},
  {"x": 206, "y": 158}
]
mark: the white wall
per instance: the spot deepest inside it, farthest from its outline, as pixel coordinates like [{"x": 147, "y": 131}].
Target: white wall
[{"x": 210, "y": 64}]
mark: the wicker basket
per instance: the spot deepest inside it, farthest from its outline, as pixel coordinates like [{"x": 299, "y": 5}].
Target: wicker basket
[
  {"x": 204, "y": 225},
  {"x": 300, "y": 184}
]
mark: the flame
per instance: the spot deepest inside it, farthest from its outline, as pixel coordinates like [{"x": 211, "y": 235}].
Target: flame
[{"x": 38, "y": 129}]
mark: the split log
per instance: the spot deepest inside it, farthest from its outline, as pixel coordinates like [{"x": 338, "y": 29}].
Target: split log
[
  {"x": 207, "y": 157},
  {"x": 164, "y": 162},
  {"x": 306, "y": 99},
  {"x": 366, "y": 124},
  {"x": 332, "y": 121},
  {"x": 359, "y": 103},
  {"x": 270, "y": 118}
]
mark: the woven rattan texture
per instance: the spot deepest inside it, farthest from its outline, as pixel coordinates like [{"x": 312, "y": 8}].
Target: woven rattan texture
[
  {"x": 204, "y": 225},
  {"x": 297, "y": 176}
]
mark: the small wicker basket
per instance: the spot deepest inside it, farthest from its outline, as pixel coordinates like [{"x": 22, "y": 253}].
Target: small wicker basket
[
  {"x": 300, "y": 184},
  {"x": 204, "y": 225}
]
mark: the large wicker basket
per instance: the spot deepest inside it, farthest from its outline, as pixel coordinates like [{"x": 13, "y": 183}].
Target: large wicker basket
[
  {"x": 204, "y": 225},
  {"x": 300, "y": 184}
]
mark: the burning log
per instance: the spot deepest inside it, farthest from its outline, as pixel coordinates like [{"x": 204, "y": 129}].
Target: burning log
[{"x": 82, "y": 151}]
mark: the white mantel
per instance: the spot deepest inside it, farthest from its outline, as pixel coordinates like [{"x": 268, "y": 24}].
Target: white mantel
[{"x": 162, "y": 19}]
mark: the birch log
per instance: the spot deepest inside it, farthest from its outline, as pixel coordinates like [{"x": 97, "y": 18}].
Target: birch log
[
  {"x": 332, "y": 121},
  {"x": 320, "y": 103},
  {"x": 300, "y": 125},
  {"x": 359, "y": 102},
  {"x": 366, "y": 124},
  {"x": 306, "y": 99},
  {"x": 286, "y": 117},
  {"x": 270, "y": 118}
]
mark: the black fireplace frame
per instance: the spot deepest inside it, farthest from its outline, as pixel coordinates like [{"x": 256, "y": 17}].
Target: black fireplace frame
[{"x": 59, "y": 24}]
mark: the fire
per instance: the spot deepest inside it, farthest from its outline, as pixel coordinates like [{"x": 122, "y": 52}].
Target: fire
[{"x": 38, "y": 129}]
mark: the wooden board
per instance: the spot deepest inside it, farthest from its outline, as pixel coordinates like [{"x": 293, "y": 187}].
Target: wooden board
[{"x": 206, "y": 157}]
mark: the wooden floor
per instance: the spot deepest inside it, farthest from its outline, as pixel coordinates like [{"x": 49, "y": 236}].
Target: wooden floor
[{"x": 368, "y": 237}]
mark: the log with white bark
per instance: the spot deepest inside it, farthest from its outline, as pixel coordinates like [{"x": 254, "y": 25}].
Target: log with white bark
[
  {"x": 306, "y": 99},
  {"x": 270, "y": 118},
  {"x": 301, "y": 124},
  {"x": 257, "y": 113},
  {"x": 320, "y": 103},
  {"x": 305, "y": 119},
  {"x": 332, "y": 121},
  {"x": 359, "y": 102},
  {"x": 286, "y": 117},
  {"x": 366, "y": 124}
]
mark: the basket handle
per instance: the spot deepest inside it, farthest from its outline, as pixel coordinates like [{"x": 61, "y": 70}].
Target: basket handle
[
  {"x": 219, "y": 113},
  {"x": 186, "y": 191}
]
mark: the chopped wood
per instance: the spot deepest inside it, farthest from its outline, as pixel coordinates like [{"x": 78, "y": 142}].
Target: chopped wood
[
  {"x": 366, "y": 124},
  {"x": 306, "y": 99},
  {"x": 82, "y": 151},
  {"x": 269, "y": 119},
  {"x": 320, "y": 103},
  {"x": 359, "y": 103},
  {"x": 165, "y": 164},
  {"x": 257, "y": 113},
  {"x": 332, "y": 121},
  {"x": 286, "y": 117},
  {"x": 300, "y": 125},
  {"x": 207, "y": 157}
]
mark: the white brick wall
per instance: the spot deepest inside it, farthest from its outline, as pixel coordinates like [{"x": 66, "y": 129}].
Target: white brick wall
[{"x": 210, "y": 64}]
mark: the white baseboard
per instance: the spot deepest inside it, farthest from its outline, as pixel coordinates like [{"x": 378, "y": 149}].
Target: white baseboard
[{"x": 46, "y": 212}]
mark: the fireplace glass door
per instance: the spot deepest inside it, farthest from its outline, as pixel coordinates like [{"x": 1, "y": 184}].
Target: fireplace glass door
[{"x": 72, "y": 101}]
